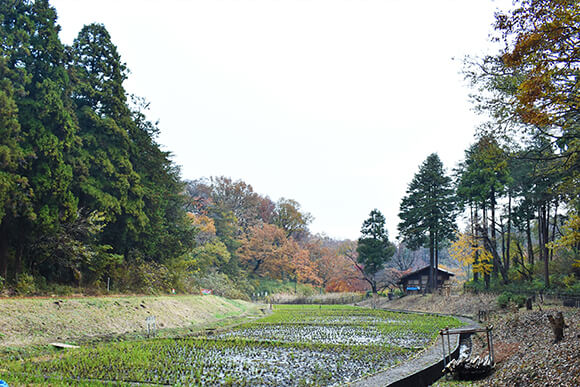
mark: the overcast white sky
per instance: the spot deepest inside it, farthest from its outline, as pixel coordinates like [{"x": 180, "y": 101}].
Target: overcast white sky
[{"x": 333, "y": 103}]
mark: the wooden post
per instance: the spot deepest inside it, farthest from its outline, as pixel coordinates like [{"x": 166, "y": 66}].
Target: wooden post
[
  {"x": 448, "y": 343},
  {"x": 488, "y": 343},
  {"x": 491, "y": 351},
  {"x": 443, "y": 346}
]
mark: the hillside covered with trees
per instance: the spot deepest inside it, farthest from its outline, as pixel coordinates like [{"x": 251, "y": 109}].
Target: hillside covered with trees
[{"x": 89, "y": 199}]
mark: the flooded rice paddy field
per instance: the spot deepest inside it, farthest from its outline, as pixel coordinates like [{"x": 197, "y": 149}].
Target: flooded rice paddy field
[{"x": 294, "y": 346}]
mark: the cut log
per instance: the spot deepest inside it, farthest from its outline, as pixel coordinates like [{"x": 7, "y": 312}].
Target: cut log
[
  {"x": 470, "y": 368},
  {"x": 558, "y": 326}
]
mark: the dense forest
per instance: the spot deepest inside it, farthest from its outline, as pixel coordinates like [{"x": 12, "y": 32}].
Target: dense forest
[
  {"x": 520, "y": 180},
  {"x": 518, "y": 186},
  {"x": 89, "y": 199}
]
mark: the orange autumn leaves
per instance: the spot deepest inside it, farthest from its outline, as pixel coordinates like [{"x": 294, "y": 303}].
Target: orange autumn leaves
[{"x": 267, "y": 251}]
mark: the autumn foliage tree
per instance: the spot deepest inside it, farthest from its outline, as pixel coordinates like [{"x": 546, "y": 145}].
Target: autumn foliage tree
[
  {"x": 288, "y": 216},
  {"x": 529, "y": 91},
  {"x": 336, "y": 271},
  {"x": 467, "y": 250},
  {"x": 268, "y": 252}
]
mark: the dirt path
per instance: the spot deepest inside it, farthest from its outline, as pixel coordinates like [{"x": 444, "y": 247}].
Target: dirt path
[{"x": 523, "y": 340}]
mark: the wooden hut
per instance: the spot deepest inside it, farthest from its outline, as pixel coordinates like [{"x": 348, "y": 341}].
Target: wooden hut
[{"x": 417, "y": 281}]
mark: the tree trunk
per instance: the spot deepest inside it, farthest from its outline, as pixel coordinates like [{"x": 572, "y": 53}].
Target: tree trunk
[
  {"x": 553, "y": 238},
  {"x": 509, "y": 233},
  {"x": 436, "y": 262},
  {"x": 473, "y": 231},
  {"x": 493, "y": 236},
  {"x": 3, "y": 253},
  {"x": 530, "y": 245},
  {"x": 431, "y": 260},
  {"x": 558, "y": 326},
  {"x": 502, "y": 258},
  {"x": 485, "y": 235},
  {"x": 542, "y": 236},
  {"x": 489, "y": 247},
  {"x": 527, "y": 273}
]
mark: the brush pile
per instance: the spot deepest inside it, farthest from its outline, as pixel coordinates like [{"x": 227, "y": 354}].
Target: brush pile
[{"x": 470, "y": 368}]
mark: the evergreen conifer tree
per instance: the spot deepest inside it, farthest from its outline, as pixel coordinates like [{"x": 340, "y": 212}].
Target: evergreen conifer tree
[
  {"x": 374, "y": 249},
  {"x": 427, "y": 212}
]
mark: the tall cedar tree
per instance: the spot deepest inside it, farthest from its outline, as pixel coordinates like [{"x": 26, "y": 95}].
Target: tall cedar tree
[
  {"x": 80, "y": 169},
  {"x": 428, "y": 212},
  {"x": 106, "y": 180},
  {"x": 34, "y": 60},
  {"x": 123, "y": 173},
  {"x": 374, "y": 249},
  {"x": 15, "y": 193}
]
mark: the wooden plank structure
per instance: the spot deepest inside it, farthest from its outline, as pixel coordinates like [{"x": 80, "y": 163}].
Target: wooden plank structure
[
  {"x": 468, "y": 367},
  {"x": 64, "y": 346}
]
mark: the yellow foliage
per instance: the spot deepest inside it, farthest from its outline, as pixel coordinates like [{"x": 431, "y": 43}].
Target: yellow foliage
[
  {"x": 465, "y": 250},
  {"x": 570, "y": 237},
  {"x": 484, "y": 265},
  {"x": 462, "y": 249},
  {"x": 204, "y": 223}
]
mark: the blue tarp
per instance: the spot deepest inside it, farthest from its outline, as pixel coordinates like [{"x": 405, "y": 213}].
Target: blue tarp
[{"x": 412, "y": 288}]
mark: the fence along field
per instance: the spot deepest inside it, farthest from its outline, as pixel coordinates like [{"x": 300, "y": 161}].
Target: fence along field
[{"x": 294, "y": 346}]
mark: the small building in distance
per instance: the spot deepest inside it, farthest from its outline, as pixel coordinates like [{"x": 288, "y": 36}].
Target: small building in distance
[{"x": 416, "y": 282}]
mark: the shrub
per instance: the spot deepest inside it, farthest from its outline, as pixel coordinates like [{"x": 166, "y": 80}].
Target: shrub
[
  {"x": 25, "y": 285},
  {"x": 504, "y": 299},
  {"x": 474, "y": 286},
  {"x": 519, "y": 300},
  {"x": 222, "y": 285},
  {"x": 570, "y": 281},
  {"x": 142, "y": 276}
]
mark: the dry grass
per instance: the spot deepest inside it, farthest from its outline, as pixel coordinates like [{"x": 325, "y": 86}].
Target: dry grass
[
  {"x": 456, "y": 304},
  {"x": 39, "y": 321}
]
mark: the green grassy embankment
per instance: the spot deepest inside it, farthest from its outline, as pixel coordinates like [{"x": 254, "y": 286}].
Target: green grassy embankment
[
  {"x": 311, "y": 345},
  {"x": 39, "y": 321}
]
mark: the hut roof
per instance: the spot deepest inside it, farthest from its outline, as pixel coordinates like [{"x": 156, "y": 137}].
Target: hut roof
[{"x": 426, "y": 270}]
